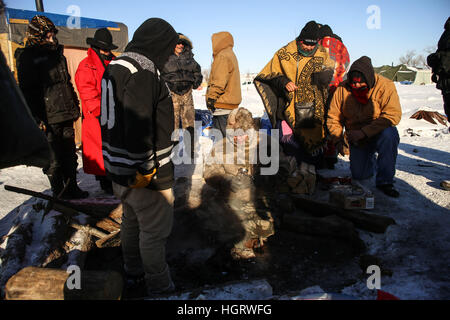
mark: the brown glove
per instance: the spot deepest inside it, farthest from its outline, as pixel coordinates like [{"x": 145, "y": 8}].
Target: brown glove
[{"x": 141, "y": 181}]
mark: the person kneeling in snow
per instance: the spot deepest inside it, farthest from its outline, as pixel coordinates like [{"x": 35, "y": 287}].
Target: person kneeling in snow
[
  {"x": 368, "y": 107},
  {"x": 231, "y": 170}
]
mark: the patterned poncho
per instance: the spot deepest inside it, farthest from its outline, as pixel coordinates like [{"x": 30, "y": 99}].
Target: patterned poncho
[
  {"x": 290, "y": 64},
  {"x": 338, "y": 52}
]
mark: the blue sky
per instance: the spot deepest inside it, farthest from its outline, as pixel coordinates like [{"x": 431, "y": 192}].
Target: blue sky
[{"x": 261, "y": 27}]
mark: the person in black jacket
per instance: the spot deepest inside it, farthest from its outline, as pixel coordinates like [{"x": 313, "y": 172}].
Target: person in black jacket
[
  {"x": 182, "y": 74},
  {"x": 440, "y": 67},
  {"x": 45, "y": 82},
  {"x": 137, "y": 123},
  {"x": 439, "y": 62}
]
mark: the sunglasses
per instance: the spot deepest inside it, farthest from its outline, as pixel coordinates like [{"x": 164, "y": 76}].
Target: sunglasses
[{"x": 309, "y": 43}]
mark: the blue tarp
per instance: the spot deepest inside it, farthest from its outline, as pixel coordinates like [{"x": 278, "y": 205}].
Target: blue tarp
[{"x": 59, "y": 20}]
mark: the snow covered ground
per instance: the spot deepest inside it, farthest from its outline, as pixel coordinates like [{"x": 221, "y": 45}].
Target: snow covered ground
[{"x": 416, "y": 249}]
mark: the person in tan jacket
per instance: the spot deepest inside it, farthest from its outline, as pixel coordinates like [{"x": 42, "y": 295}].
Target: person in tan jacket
[
  {"x": 368, "y": 107},
  {"x": 224, "y": 86}
]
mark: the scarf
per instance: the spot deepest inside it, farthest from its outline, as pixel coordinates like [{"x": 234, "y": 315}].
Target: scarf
[
  {"x": 306, "y": 53},
  {"x": 361, "y": 94}
]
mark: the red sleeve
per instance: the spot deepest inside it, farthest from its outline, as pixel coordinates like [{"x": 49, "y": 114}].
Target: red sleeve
[{"x": 87, "y": 88}]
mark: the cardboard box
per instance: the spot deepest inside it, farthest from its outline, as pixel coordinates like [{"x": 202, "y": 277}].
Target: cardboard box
[{"x": 351, "y": 197}]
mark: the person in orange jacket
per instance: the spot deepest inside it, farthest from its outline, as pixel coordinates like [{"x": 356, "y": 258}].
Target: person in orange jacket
[
  {"x": 88, "y": 79},
  {"x": 368, "y": 107},
  {"x": 224, "y": 86}
]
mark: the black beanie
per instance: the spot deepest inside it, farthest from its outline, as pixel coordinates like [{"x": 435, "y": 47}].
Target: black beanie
[
  {"x": 309, "y": 33},
  {"x": 325, "y": 31}
]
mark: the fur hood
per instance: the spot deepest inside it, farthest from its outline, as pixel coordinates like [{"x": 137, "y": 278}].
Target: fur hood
[{"x": 185, "y": 40}]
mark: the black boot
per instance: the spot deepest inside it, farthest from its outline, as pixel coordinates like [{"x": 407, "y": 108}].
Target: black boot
[
  {"x": 56, "y": 183},
  {"x": 73, "y": 191},
  {"x": 389, "y": 190},
  {"x": 105, "y": 184}
]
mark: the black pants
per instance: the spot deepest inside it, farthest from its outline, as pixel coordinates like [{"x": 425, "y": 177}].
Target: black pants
[
  {"x": 220, "y": 123},
  {"x": 63, "y": 161}
]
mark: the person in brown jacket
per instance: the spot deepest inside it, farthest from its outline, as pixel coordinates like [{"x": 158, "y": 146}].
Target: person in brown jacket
[
  {"x": 224, "y": 86},
  {"x": 368, "y": 107}
]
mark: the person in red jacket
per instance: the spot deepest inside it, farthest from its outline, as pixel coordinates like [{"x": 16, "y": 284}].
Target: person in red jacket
[
  {"x": 89, "y": 82},
  {"x": 338, "y": 52}
]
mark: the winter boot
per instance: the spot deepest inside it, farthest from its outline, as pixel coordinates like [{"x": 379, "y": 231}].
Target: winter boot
[
  {"x": 73, "y": 191},
  {"x": 160, "y": 283},
  {"x": 389, "y": 190},
  {"x": 56, "y": 183},
  {"x": 105, "y": 184}
]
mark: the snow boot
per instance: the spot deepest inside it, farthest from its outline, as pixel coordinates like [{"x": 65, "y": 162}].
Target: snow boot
[
  {"x": 105, "y": 184},
  {"x": 56, "y": 183},
  {"x": 73, "y": 191},
  {"x": 389, "y": 190}
]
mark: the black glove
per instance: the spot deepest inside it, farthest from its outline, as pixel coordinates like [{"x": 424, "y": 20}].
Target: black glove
[
  {"x": 434, "y": 78},
  {"x": 210, "y": 105},
  {"x": 322, "y": 79}
]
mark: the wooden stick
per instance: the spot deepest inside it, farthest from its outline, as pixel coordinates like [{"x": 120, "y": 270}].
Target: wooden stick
[
  {"x": 111, "y": 240},
  {"x": 93, "y": 231}
]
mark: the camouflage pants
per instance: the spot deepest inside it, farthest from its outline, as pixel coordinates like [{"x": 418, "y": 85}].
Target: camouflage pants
[{"x": 183, "y": 106}]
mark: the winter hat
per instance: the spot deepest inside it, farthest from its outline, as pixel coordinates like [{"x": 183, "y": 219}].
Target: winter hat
[
  {"x": 309, "y": 33},
  {"x": 364, "y": 66},
  {"x": 155, "y": 39},
  {"x": 102, "y": 39},
  {"x": 325, "y": 31},
  {"x": 38, "y": 28}
]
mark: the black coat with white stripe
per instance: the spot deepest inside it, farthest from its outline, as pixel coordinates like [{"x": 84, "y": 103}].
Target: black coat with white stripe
[{"x": 136, "y": 121}]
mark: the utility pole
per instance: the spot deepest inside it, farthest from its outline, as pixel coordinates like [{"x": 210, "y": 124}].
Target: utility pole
[{"x": 39, "y": 5}]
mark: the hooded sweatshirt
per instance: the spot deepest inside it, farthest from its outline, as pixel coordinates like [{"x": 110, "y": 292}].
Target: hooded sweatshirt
[
  {"x": 224, "y": 85},
  {"x": 137, "y": 111},
  {"x": 381, "y": 111}
]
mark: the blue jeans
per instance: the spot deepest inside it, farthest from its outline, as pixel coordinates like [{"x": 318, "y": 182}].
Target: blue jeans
[{"x": 363, "y": 161}]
